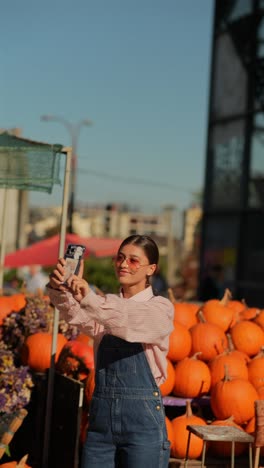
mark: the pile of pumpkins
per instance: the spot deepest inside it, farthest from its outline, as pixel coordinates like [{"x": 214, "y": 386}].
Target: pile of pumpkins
[{"x": 215, "y": 350}]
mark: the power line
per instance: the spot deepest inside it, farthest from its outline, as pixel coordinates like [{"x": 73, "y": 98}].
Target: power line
[{"x": 133, "y": 180}]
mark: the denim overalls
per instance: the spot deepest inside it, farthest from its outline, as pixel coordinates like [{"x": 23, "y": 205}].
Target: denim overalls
[{"x": 126, "y": 425}]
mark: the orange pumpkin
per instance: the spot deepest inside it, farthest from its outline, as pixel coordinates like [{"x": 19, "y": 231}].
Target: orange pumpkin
[
  {"x": 184, "y": 312},
  {"x": 236, "y": 305},
  {"x": 13, "y": 464},
  {"x": 247, "y": 337},
  {"x": 9, "y": 304},
  {"x": 259, "y": 320},
  {"x": 249, "y": 313},
  {"x": 180, "y": 343},
  {"x": 237, "y": 367},
  {"x": 233, "y": 397},
  {"x": 180, "y": 434},
  {"x": 234, "y": 352},
  {"x": 260, "y": 391},
  {"x": 89, "y": 386},
  {"x": 217, "y": 311},
  {"x": 76, "y": 359},
  {"x": 208, "y": 339},
  {"x": 256, "y": 370},
  {"x": 36, "y": 350},
  {"x": 167, "y": 386},
  {"x": 83, "y": 338},
  {"x": 170, "y": 431},
  {"x": 192, "y": 378},
  {"x": 224, "y": 449}
]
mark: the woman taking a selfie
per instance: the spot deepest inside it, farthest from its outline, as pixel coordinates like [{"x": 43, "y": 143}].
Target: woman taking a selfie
[{"x": 131, "y": 336}]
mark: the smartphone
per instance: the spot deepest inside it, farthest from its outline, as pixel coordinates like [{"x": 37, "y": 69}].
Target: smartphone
[{"x": 73, "y": 255}]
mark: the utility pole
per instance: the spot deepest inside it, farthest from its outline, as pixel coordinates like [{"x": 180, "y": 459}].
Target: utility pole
[{"x": 74, "y": 132}]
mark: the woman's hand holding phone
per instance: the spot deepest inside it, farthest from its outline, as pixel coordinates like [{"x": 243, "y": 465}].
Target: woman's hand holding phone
[{"x": 74, "y": 284}]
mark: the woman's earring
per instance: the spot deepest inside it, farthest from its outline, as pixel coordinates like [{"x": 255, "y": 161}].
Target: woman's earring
[{"x": 147, "y": 281}]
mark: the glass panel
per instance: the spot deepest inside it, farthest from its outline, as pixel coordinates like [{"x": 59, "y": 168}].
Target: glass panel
[
  {"x": 252, "y": 270},
  {"x": 230, "y": 80},
  {"x": 221, "y": 239},
  {"x": 256, "y": 171},
  {"x": 228, "y": 11},
  {"x": 226, "y": 149}
]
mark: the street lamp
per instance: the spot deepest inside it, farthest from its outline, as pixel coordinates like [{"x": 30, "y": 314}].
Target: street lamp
[{"x": 74, "y": 132}]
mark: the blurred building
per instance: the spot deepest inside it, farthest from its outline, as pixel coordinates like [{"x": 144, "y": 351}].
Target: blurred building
[
  {"x": 233, "y": 219},
  {"x": 192, "y": 219}
]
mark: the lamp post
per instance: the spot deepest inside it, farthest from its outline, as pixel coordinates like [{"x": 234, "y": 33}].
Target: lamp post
[{"x": 74, "y": 132}]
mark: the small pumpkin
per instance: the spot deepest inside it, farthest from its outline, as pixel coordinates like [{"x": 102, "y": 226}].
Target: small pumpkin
[
  {"x": 247, "y": 337},
  {"x": 233, "y": 397},
  {"x": 224, "y": 449},
  {"x": 218, "y": 312},
  {"x": 180, "y": 434},
  {"x": 192, "y": 378},
  {"x": 207, "y": 338}
]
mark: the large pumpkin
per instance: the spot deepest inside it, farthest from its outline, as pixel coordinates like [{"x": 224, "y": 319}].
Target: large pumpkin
[
  {"x": 218, "y": 312},
  {"x": 36, "y": 350},
  {"x": 180, "y": 434},
  {"x": 237, "y": 367},
  {"x": 180, "y": 343},
  {"x": 208, "y": 339},
  {"x": 248, "y": 337},
  {"x": 233, "y": 397},
  {"x": 192, "y": 378}
]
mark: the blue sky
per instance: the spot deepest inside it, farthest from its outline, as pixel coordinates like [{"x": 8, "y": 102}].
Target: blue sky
[{"x": 139, "y": 69}]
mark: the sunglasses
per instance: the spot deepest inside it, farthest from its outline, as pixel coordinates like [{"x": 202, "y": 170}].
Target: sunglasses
[{"x": 132, "y": 262}]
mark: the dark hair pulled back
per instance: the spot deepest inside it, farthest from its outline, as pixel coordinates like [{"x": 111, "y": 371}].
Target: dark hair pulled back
[{"x": 146, "y": 243}]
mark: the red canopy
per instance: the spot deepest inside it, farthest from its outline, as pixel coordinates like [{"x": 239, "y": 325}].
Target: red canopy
[{"x": 46, "y": 252}]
